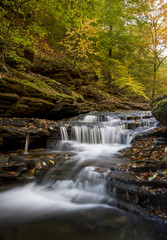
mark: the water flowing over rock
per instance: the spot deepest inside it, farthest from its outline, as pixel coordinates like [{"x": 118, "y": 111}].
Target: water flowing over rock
[{"x": 76, "y": 180}]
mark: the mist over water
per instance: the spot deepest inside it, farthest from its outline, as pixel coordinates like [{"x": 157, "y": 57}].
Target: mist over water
[{"x": 81, "y": 201}]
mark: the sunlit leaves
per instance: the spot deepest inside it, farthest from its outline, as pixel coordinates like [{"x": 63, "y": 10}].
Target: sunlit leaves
[
  {"x": 79, "y": 41},
  {"x": 119, "y": 76}
]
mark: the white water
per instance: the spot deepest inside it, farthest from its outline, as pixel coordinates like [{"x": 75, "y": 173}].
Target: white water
[
  {"x": 27, "y": 143},
  {"x": 85, "y": 186}
]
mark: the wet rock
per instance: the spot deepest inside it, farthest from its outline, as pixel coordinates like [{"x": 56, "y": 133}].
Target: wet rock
[
  {"x": 15, "y": 131},
  {"x": 16, "y": 159},
  {"x": 15, "y": 167},
  {"x": 11, "y": 176},
  {"x": 143, "y": 182},
  {"x": 30, "y": 164}
]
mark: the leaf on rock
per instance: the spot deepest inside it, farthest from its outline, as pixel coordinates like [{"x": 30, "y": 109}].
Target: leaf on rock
[
  {"x": 12, "y": 173},
  {"x": 51, "y": 161},
  {"x": 31, "y": 171},
  {"x": 154, "y": 176},
  {"x": 127, "y": 196}
]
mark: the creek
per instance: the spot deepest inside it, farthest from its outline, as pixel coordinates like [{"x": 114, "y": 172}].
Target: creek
[{"x": 80, "y": 205}]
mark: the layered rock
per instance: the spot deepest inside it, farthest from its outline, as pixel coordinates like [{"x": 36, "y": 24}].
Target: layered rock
[
  {"x": 39, "y": 97},
  {"x": 14, "y": 132}
]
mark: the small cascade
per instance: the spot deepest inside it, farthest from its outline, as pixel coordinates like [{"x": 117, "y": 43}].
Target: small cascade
[
  {"x": 108, "y": 128},
  {"x": 90, "y": 118},
  {"x": 96, "y": 135},
  {"x": 27, "y": 143},
  {"x": 98, "y": 118},
  {"x": 64, "y": 134}
]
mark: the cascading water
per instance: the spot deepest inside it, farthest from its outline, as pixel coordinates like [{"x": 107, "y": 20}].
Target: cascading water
[
  {"x": 94, "y": 141},
  {"x": 98, "y": 135},
  {"x": 27, "y": 143}
]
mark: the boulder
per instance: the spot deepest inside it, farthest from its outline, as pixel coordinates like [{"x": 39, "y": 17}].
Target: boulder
[{"x": 159, "y": 109}]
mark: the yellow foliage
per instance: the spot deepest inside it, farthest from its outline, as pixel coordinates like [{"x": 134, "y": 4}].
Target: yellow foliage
[
  {"x": 120, "y": 77},
  {"x": 80, "y": 40}
]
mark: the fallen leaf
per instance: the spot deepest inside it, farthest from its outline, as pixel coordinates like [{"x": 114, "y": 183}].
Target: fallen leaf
[
  {"x": 127, "y": 196},
  {"x": 12, "y": 173},
  {"x": 38, "y": 165},
  {"x": 51, "y": 161},
  {"x": 31, "y": 171},
  {"x": 154, "y": 176},
  {"x": 158, "y": 211},
  {"x": 138, "y": 177}
]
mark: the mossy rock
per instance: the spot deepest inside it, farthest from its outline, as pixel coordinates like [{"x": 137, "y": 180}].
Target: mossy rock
[
  {"x": 17, "y": 62},
  {"x": 9, "y": 97},
  {"x": 37, "y": 96},
  {"x": 159, "y": 110}
]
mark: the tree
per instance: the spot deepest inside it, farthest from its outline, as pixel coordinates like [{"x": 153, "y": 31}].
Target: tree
[
  {"x": 14, "y": 15},
  {"x": 116, "y": 47},
  {"x": 79, "y": 41},
  {"x": 156, "y": 19}
]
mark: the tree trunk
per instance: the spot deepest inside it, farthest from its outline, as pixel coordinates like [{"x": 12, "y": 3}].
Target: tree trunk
[
  {"x": 3, "y": 67},
  {"x": 110, "y": 49},
  {"x": 154, "y": 77}
]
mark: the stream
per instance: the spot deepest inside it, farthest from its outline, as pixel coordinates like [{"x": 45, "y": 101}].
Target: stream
[{"x": 80, "y": 204}]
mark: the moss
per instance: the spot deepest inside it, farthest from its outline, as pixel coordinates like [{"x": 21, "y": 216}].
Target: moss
[
  {"x": 10, "y": 80},
  {"x": 78, "y": 98},
  {"x": 41, "y": 87},
  {"x": 31, "y": 87},
  {"x": 15, "y": 61},
  {"x": 159, "y": 105}
]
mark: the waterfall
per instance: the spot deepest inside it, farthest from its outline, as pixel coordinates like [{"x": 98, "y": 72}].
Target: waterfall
[
  {"x": 97, "y": 118},
  {"x": 108, "y": 128},
  {"x": 26, "y": 143},
  {"x": 64, "y": 134},
  {"x": 90, "y": 118},
  {"x": 98, "y": 135},
  {"x": 76, "y": 193}
]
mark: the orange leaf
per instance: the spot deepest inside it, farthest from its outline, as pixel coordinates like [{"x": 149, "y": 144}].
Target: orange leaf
[
  {"x": 51, "y": 161},
  {"x": 12, "y": 173},
  {"x": 127, "y": 196},
  {"x": 31, "y": 171}
]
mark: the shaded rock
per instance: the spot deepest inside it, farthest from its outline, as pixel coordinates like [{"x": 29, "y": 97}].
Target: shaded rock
[
  {"x": 29, "y": 54},
  {"x": 16, "y": 159},
  {"x": 159, "y": 109},
  {"x": 9, "y": 97},
  {"x": 16, "y": 167},
  {"x": 13, "y": 134},
  {"x": 30, "y": 164},
  {"x": 9, "y": 176}
]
